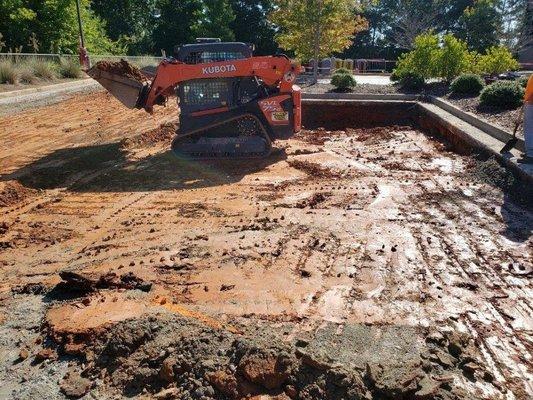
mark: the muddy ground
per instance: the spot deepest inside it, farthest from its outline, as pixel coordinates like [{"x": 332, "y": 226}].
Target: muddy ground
[{"x": 357, "y": 264}]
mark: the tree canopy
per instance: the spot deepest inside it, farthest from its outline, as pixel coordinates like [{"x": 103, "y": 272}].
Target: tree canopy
[{"x": 346, "y": 28}]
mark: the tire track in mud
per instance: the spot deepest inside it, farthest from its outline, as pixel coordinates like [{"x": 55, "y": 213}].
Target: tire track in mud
[
  {"x": 510, "y": 342},
  {"x": 221, "y": 232}
]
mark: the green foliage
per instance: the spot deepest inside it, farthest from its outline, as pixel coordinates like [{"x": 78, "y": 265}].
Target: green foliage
[
  {"x": 51, "y": 26},
  {"x": 452, "y": 59},
  {"x": 422, "y": 60},
  {"x": 522, "y": 81},
  {"x": 395, "y": 76},
  {"x": 128, "y": 22},
  {"x": 503, "y": 94},
  {"x": 316, "y": 29},
  {"x": 216, "y": 20},
  {"x": 69, "y": 67},
  {"x": 497, "y": 60},
  {"x": 468, "y": 84},
  {"x": 43, "y": 69},
  {"x": 412, "y": 81},
  {"x": 343, "y": 81},
  {"x": 252, "y": 26},
  {"x": 341, "y": 71},
  {"x": 480, "y": 25},
  {"x": 8, "y": 72},
  {"x": 177, "y": 24}
]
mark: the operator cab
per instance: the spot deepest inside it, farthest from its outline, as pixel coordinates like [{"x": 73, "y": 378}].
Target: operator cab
[
  {"x": 205, "y": 94},
  {"x": 207, "y": 50}
]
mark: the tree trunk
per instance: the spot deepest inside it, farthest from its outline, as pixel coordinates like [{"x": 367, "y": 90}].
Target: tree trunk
[{"x": 316, "y": 45}]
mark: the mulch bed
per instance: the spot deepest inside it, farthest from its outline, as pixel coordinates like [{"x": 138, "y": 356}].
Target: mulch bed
[{"x": 505, "y": 119}]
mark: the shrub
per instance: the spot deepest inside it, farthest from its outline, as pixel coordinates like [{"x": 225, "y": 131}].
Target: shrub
[
  {"x": 452, "y": 58},
  {"x": 343, "y": 71},
  {"x": 522, "y": 81},
  {"x": 503, "y": 94},
  {"x": 395, "y": 76},
  {"x": 412, "y": 80},
  {"x": 422, "y": 60},
  {"x": 497, "y": 60},
  {"x": 8, "y": 72},
  {"x": 70, "y": 68},
  {"x": 26, "y": 74},
  {"x": 343, "y": 82},
  {"x": 468, "y": 84},
  {"x": 44, "y": 69}
]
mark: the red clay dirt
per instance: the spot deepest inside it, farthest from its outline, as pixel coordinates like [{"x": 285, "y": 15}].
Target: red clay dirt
[
  {"x": 122, "y": 68},
  {"x": 373, "y": 264}
]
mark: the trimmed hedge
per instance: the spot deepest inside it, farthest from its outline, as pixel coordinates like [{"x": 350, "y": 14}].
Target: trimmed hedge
[
  {"x": 467, "y": 84},
  {"x": 343, "y": 81},
  {"x": 411, "y": 80},
  {"x": 523, "y": 81},
  {"x": 342, "y": 71},
  {"x": 503, "y": 94}
]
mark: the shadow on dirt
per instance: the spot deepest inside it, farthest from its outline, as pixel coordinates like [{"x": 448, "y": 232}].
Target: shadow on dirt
[
  {"x": 106, "y": 168},
  {"x": 517, "y": 197}
]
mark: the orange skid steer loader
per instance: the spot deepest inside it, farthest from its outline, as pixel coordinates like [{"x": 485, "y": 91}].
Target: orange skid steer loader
[{"x": 232, "y": 104}]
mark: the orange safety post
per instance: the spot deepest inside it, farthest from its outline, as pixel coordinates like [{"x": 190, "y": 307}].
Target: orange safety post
[{"x": 528, "y": 119}]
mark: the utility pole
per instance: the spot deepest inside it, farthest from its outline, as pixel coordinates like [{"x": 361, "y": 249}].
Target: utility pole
[{"x": 85, "y": 62}]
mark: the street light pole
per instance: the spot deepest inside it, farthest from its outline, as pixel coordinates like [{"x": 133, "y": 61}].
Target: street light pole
[{"x": 84, "y": 56}]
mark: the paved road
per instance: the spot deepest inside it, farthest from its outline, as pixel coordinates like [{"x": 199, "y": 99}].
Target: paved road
[
  {"x": 17, "y": 102},
  {"x": 366, "y": 79}
]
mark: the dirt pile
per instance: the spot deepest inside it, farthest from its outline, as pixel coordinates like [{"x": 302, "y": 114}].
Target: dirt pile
[
  {"x": 13, "y": 193},
  {"x": 163, "y": 134},
  {"x": 164, "y": 354},
  {"x": 122, "y": 68}
]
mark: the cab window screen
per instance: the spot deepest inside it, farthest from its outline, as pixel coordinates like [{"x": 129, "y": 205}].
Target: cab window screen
[
  {"x": 205, "y": 93},
  {"x": 207, "y": 56}
]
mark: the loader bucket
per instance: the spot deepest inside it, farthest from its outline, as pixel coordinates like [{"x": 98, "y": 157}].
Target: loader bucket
[{"x": 125, "y": 89}]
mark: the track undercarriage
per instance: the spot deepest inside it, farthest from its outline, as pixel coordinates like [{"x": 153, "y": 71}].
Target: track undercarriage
[{"x": 241, "y": 137}]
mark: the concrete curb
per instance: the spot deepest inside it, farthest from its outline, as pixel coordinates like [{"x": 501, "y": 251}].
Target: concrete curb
[
  {"x": 486, "y": 127},
  {"x": 60, "y": 89},
  {"x": 22, "y": 92},
  {"x": 359, "y": 96},
  {"x": 456, "y": 129}
]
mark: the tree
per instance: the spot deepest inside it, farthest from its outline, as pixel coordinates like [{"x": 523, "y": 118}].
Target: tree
[
  {"x": 216, "y": 19},
  {"x": 480, "y": 25},
  {"x": 406, "y": 19},
  {"x": 130, "y": 22},
  {"x": 177, "y": 23},
  {"x": 313, "y": 29},
  {"x": 511, "y": 13},
  {"x": 251, "y": 24},
  {"x": 53, "y": 26},
  {"x": 182, "y": 21}
]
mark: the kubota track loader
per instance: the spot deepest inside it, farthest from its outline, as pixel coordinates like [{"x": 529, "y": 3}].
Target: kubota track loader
[{"x": 232, "y": 104}]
